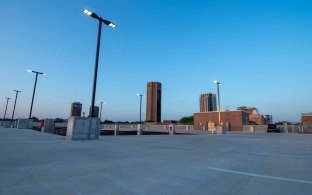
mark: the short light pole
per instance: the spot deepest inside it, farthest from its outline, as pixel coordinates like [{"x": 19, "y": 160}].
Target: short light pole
[
  {"x": 93, "y": 15},
  {"x": 101, "y": 110},
  {"x": 219, "y": 114},
  {"x": 6, "y": 107},
  {"x": 32, "y": 100},
  {"x": 16, "y": 91},
  {"x": 140, "y": 106}
]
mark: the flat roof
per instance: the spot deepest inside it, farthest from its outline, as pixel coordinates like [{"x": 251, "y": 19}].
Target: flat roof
[
  {"x": 306, "y": 114},
  {"x": 32, "y": 162}
]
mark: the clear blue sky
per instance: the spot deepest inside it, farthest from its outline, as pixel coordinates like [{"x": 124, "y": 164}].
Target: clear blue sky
[{"x": 260, "y": 50}]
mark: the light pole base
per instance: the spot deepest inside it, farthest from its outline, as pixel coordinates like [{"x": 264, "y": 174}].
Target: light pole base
[
  {"x": 83, "y": 128},
  {"x": 220, "y": 130}
]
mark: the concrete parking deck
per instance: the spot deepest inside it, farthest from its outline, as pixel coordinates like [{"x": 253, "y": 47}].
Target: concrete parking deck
[{"x": 32, "y": 162}]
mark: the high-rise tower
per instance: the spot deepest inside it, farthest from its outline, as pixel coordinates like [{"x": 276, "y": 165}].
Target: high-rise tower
[
  {"x": 208, "y": 102},
  {"x": 153, "y": 102},
  {"x": 75, "y": 109}
]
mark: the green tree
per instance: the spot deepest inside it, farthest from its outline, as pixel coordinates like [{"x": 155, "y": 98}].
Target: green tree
[
  {"x": 108, "y": 121},
  {"x": 59, "y": 120},
  {"x": 187, "y": 120},
  {"x": 35, "y": 119}
]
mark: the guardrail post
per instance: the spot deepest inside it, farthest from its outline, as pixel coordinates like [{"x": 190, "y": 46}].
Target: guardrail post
[{"x": 116, "y": 131}]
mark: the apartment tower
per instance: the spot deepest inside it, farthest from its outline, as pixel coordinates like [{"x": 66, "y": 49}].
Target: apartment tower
[
  {"x": 208, "y": 102},
  {"x": 75, "y": 109},
  {"x": 153, "y": 102}
]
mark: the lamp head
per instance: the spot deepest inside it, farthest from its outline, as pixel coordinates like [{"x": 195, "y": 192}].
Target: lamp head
[
  {"x": 108, "y": 23},
  {"x": 90, "y": 13},
  {"x": 217, "y": 82}
]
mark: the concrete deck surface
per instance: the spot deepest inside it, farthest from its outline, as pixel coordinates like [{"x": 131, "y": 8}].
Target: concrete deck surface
[{"x": 32, "y": 162}]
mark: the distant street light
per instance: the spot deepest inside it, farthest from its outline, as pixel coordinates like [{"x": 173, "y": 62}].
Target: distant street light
[
  {"x": 17, "y": 91},
  {"x": 101, "y": 110},
  {"x": 93, "y": 15},
  {"x": 32, "y": 100},
  {"x": 6, "y": 107},
  {"x": 140, "y": 105},
  {"x": 218, "y": 84}
]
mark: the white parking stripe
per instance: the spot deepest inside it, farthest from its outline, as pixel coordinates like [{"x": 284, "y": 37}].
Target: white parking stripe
[
  {"x": 261, "y": 176},
  {"x": 282, "y": 155}
]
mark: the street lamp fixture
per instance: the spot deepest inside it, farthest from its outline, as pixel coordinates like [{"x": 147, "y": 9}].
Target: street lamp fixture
[
  {"x": 16, "y": 91},
  {"x": 101, "y": 20},
  {"x": 140, "y": 106},
  {"x": 219, "y": 114},
  {"x": 6, "y": 107},
  {"x": 94, "y": 15},
  {"x": 32, "y": 100}
]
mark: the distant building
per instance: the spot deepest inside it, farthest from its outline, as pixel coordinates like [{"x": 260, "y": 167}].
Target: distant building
[
  {"x": 76, "y": 108},
  {"x": 255, "y": 117},
  {"x": 306, "y": 118},
  {"x": 153, "y": 102},
  {"x": 207, "y": 102},
  {"x": 234, "y": 120}
]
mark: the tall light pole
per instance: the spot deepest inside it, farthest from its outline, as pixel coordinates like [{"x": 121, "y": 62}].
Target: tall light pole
[
  {"x": 219, "y": 114},
  {"x": 140, "y": 106},
  {"x": 6, "y": 107},
  {"x": 17, "y": 91},
  {"x": 93, "y": 15},
  {"x": 32, "y": 100}
]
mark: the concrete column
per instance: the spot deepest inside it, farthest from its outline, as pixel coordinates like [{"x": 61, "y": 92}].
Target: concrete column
[
  {"x": 172, "y": 129},
  {"x": 285, "y": 128},
  {"x": 252, "y": 128},
  {"x": 140, "y": 129},
  {"x": 187, "y": 127},
  {"x": 116, "y": 131}
]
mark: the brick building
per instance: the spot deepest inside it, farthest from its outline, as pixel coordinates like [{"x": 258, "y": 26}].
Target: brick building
[
  {"x": 234, "y": 119},
  {"x": 254, "y": 115},
  {"x": 306, "y": 118},
  {"x": 153, "y": 102}
]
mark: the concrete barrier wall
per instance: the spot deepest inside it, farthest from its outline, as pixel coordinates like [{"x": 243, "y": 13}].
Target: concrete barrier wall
[
  {"x": 24, "y": 123},
  {"x": 249, "y": 128},
  {"x": 60, "y": 125},
  {"x": 36, "y": 124},
  {"x": 48, "y": 126},
  {"x": 305, "y": 129}
]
